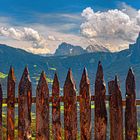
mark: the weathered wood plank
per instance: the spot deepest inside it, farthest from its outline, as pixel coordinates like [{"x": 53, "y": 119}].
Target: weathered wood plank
[
  {"x": 116, "y": 111},
  {"x": 100, "y": 122},
  {"x": 70, "y": 108},
  {"x": 1, "y": 112},
  {"x": 85, "y": 107},
  {"x": 24, "y": 107},
  {"x": 130, "y": 110},
  {"x": 10, "y": 104},
  {"x": 42, "y": 109},
  {"x": 56, "y": 122}
]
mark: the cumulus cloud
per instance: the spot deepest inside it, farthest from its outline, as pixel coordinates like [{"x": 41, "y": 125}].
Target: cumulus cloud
[
  {"x": 112, "y": 24},
  {"x": 26, "y": 34}
]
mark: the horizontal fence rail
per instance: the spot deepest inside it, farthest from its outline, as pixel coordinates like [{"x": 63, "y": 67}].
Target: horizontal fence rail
[
  {"x": 70, "y": 100},
  {"x": 61, "y": 99}
]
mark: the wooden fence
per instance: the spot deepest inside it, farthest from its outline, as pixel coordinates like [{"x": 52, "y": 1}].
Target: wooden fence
[{"x": 70, "y": 100}]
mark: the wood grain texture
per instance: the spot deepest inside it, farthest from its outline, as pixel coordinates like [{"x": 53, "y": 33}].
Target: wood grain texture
[
  {"x": 42, "y": 109},
  {"x": 100, "y": 123},
  {"x": 24, "y": 107},
  {"x": 56, "y": 122},
  {"x": 10, "y": 104},
  {"x": 116, "y": 111},
  {"x": 85, "y": 107},
  {"x": 130, "y": 110},
  {"x": 70, "y": 108}
]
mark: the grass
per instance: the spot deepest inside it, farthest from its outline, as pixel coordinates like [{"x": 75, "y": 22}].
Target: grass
[
  {"x": 35, "y": 66},
  {"x": 33, "y": 127},
  {"x": 53, "y": 69},
  {"x": 3, "y": 76},
  {"x": 33, "y": 124},
  {"x": 49, "y": 80}
]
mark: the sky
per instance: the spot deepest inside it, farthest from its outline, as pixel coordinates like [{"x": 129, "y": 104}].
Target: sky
[{"x": 40, "y": 26}]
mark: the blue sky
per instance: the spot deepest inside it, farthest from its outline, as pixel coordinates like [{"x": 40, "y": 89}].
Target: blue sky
[
  {"x": 22, "y": 9},
  {"x": 57, "y": 20},
  {"x": 54, "y": 6}
]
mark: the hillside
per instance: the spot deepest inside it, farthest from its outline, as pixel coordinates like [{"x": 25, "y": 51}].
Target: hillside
[{"x": 113, "y": 63}]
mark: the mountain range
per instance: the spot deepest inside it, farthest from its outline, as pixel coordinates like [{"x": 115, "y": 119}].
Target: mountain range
[
  {"x": 66, "y": 49},
  {"x": 116, "y": 63}
]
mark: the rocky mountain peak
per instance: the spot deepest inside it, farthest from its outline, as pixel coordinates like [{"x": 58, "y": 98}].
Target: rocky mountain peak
[
  {"x": 96, "y": 48},
  {"x": 68, "y": 49}
]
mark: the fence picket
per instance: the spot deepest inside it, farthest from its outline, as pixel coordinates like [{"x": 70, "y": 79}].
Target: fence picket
[
  {"x": 70, "y": 108},
  {"x": 24, "y": 107},
  {"x": 1, "y": 112},
  {"x": 100, "y": 127},
  {"x": 116, "y": 111},
  {"x": 10, "y": 104},
  {"x": 130, "y": 110},
  {"x": 42, "y": 109},
  {"x": 85, "y": 107},
  {"x": 70, "y": 99},
  {"x": 56, "y": 122}
]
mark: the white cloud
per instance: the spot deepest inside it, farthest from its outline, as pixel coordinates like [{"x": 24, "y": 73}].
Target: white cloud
[
  {"x": 55, "y": 33},
  {"x": 26, "y": 34},
  {"x": 114, "y": 29},
  {"x": 122, "y": 25},
  {"x": 27, "y": 38},
  {"x": 51, "y": 37}
]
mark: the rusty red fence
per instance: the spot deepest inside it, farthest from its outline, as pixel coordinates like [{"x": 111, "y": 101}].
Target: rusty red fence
[{"x": 70, "y": 100}]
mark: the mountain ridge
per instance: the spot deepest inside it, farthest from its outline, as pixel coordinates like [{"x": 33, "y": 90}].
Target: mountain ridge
[
  {"x": 69, "y": 49},
  {"x": 113, "y": 63}
]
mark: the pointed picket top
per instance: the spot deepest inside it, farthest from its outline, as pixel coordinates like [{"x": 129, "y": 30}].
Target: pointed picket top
[
  {"x": 25, "y": 75},
  {"x": 25, "y": 95},
  {"x": 99, "y": 74},
  {"x": 84, "y": 79},
  {"x": 99, "y": 80},
  {"x": 130, "y": 116},
  {"x": 11, "y": 75},
  {"x": 116, "y": 110},
  {"x": 116, "y": 79},
  {"x": 69, "y": 74},
  {"x": 43, "y": 75},
  {"x": 55, "y": 85},
  {"x": 42, "y": 108},
  {"x": 114, "y": 88},
  {"x": 130, "y": 82},
  {"x": 100, "y": 125},
  {"x": 69, "y": 78},
  {"x": 85, "y": 107},
  {"x": 55, "y": 80},
  {"x": 10, "y": 104},
  {"x": 56, "y": 121},
  {"x": 70, "y": 108},
  {"x": 26, "y": 71},
  {"x": 42, "y": 79},
  {"x": 117, "y": 90},
  {"x": 130, "y": 73}
]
